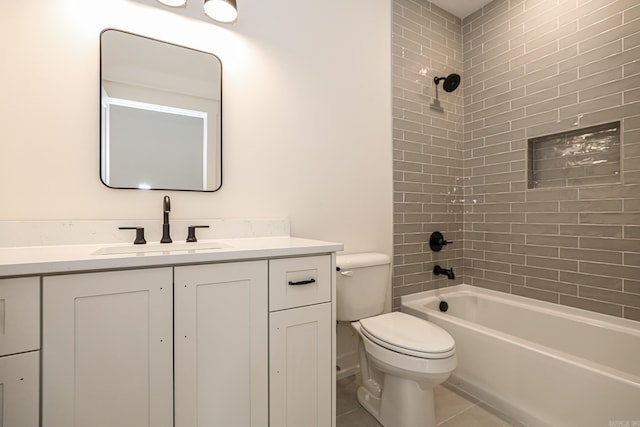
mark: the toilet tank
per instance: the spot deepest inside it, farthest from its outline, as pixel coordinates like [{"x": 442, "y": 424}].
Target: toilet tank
[{"x": 361, "y": 285}]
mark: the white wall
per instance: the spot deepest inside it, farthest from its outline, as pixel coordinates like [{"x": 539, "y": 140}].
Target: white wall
[{"x": 306, "y": 114}]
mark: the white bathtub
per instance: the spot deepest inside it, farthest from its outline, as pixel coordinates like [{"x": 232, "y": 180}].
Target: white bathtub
[{"x": 541, "y": 363}]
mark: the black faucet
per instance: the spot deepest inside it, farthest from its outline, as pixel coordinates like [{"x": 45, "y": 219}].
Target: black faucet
[
  {"x": 437, "y": 270},
  {"x": 166, "y": 208}
]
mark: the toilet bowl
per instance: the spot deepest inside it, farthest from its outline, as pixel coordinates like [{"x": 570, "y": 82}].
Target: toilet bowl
[
  {"x": 413, "y": 356},
  {"x": 401, "y": 357}
]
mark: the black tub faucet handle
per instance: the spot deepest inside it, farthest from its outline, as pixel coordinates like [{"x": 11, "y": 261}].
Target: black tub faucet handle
[{"x": 437, "y": 241}]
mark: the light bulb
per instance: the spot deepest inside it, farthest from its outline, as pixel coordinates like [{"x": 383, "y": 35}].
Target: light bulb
[
  {"x": 221, "y": 10},
  {"x": 174, "y": 3}
]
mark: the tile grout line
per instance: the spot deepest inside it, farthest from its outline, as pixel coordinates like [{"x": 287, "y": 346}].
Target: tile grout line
[{"x": 459, "y": 413}]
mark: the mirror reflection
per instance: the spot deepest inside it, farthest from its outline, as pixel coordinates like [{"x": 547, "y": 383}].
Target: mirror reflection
[{"x": 161, "y": 110}]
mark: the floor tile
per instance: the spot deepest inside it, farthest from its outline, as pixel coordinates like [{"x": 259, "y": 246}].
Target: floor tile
[
  {"x": 454, "y": 408},
  {"x": 346, "y": 400},
  {"x": 448, "y": 403},
  {"x": 476, "y": 416},
  {"x": 357, "y": 418}
]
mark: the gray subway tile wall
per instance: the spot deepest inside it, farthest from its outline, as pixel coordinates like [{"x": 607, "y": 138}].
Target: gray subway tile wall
[
  {"x": 530, "y": 68},
  {"x": 428, "y": 179}
]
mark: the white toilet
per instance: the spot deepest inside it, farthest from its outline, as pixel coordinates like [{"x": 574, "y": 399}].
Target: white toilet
[{"x": 401, "y": 357}]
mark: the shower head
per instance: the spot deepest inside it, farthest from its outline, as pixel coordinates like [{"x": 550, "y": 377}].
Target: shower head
[{"x": 451, "y": 82}]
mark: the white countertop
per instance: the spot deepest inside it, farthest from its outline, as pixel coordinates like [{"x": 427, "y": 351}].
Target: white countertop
[{"x": 33, "y": 260}]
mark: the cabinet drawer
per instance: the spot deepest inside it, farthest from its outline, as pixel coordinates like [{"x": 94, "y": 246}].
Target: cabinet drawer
[
  {"x": 19, "y": 315},
  {"x": 295, "y": 282}
]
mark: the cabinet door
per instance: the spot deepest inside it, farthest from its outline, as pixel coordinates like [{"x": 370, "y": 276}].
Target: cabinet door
[
  {"x": 107, "y": 351},
  {"x": 221, "y": 345},
  {"x": 300, "y": 370},
  {"x": 19, "y": 315},
  {"x": 19, "y": 381}
]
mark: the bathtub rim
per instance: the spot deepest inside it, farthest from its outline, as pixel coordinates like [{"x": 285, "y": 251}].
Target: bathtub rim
[
  {"x": 591, "y": 317},
  {"x": 415, "y": 302}
]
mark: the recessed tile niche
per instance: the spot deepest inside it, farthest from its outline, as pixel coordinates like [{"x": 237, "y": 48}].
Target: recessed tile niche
[{"x": 588, "y": 156}]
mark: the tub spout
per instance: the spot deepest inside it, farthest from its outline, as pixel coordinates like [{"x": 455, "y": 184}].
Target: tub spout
[{"x": 437, "y": 270}]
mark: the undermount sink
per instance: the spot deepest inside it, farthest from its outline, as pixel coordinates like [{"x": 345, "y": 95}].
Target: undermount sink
[{"x": 159, "y": 247}]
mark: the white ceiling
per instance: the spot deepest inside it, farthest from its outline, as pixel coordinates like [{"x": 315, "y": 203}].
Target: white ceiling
[{"x": 460, "y": 8}]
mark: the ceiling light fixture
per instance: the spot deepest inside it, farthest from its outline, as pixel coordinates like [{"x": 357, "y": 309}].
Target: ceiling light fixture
[
  {"x": 174, "y": 3},
  {"x": 221, "y": 10}
]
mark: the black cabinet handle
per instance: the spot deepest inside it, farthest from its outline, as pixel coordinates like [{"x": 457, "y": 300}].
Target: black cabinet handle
[{"x": 302, "y": 282}]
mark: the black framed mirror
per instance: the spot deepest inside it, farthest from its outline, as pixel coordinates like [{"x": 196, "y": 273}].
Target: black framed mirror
[{"x": 160, "y": 115}]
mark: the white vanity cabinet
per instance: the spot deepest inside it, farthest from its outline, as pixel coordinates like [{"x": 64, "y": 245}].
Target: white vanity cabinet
[
  {"x": 301, "y": 342},
  {"x": 221, "y": 348},
  {"x": 19, "y": 355},
  {"x": 243, "y": 336},
  {"x": 107, "y": 349}
]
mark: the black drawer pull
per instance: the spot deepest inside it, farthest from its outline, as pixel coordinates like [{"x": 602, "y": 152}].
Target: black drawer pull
[{"x": 302, "y": 282}]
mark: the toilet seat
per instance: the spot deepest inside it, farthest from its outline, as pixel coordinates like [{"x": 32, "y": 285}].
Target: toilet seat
[{"x": 408, "y": 335}]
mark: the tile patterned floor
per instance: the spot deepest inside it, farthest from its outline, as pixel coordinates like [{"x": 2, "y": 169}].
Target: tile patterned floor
[{"x": 454, "y": 408}]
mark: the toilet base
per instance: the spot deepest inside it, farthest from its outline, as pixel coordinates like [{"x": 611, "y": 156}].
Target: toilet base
[
  {"x": 404, "y": 403},
  {"x": 369, "y": 402}
]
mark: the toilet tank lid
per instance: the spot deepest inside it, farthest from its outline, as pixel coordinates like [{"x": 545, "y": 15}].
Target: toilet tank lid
[{"x": 366, "y": 259}]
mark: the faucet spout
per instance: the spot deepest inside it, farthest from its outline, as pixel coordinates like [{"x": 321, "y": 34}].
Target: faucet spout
[
  {"x": 437, "y": 270},
  {"x": 166, "y": 208}
]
